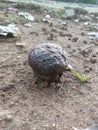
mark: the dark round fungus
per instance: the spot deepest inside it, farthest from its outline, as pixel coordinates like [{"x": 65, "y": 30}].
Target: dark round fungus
[{"x": 48, "y": 60}]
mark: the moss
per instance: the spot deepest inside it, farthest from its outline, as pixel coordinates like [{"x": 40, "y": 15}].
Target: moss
[{"x": 57, "y": 12}]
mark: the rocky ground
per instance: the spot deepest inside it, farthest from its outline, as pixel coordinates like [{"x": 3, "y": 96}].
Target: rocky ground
[
  {"x": 56, "y": 4},
  {"x": 26, "y": 103}
]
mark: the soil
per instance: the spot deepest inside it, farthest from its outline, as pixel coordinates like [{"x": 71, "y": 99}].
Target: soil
[{"x": 26, "y": 102}]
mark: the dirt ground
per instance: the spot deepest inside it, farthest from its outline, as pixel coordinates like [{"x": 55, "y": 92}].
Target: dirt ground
[{"x": 29, "y": 104}]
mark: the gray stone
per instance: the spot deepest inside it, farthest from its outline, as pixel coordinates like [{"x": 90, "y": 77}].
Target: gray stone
[
  {"x": 93, "y": 127},
  {"x": 46, "y": 21},
  {"x": 69, "y": 13},
  {"x": 48, "y": 60},
  {"x": 76, "y": 21},
  {"x": 47, "y": 16},
  {"x": 64, "y": 23},
  {"x": 26, "y": 16},
  {"x": 93, "y": 35},
  {"x": 86, "y": 23},
  {"x": 20, "y": 44},
  {"x": 97, "y": 17},
  {"x": 28, "y": 25},
  {"x": 10, "y": 31}
]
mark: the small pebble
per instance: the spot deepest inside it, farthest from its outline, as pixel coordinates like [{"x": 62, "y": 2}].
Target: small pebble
[
  {"x": 47, "y": 16},
  {"x": 82, "y": 33},
  {"x": 12, "y": 103},
  {"x": 53, "y": 84},
  {"x": 9, "y": 117},
  {"x": 85, "y": 42},
  {"x": 69, "y": 35},
  {"x": 51, "y": 37},
  {"x": 54, "y": 125},
  {"x": 68, "y": 46},
  {"x": 51, "y": 24},
  {"x": 57, "y": 115},
  {"x": 62, "y": 34},
  {"x": 75, "y": 39},
  {"x": 34, "y": 33},
  {"x": 87, "y": 70},
  {"x": 20, "y": 44},
  {"x": 97, "y": 53},
  {"x": 94, "y": 55},
  {"x": 54, "y": 30},
  {"x": 84, "y": 52},
  {"x": 69, "y": 38},
  {"x": 46, "y": 21},
  {"x": 64, "y": 28},
  {"x": 64, "y": 23}
]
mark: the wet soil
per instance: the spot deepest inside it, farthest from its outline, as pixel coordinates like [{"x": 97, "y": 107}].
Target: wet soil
[{"x": 26, "y": 102}]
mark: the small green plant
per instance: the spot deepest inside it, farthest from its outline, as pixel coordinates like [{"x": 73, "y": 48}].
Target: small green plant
[
  {"x": 82, "y": 78},
  {"x": 80, "y": 11},
  {"x": 57, "y": 12},
  {"x": 4, "y": 5},
  {"x": 12, "y": 18}
]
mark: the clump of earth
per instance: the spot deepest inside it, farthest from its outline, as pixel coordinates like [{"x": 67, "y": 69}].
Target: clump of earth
[{"x": 48, "y": 61}]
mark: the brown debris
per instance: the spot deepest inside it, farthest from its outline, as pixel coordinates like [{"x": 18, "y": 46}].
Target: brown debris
[
  {"x": 85, "y": 42},
  {"x": 51, "y": 37},
  {"x": 74, "y": 39},
  {"x": 82, "y": 33},
  {"x": 46, "y": 32},
  {"x": 93, "y": 60},
  {"x": 84, "y": 52}
]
